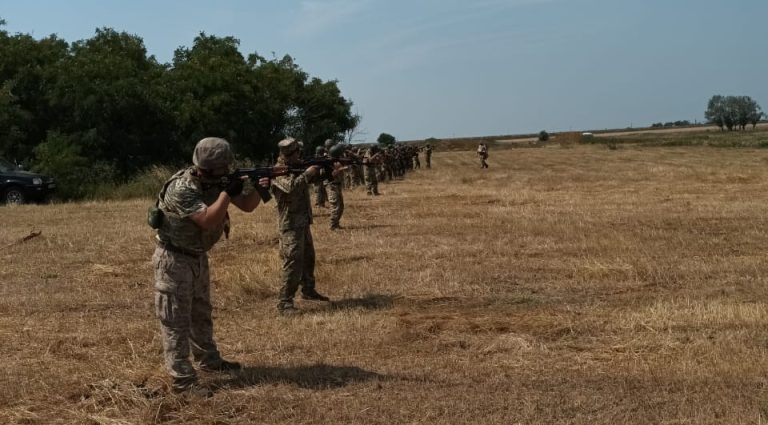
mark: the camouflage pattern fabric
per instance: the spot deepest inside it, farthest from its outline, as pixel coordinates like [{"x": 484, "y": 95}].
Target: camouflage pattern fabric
[
  {"x": 297, "y": 251},
  {"x": 188, "y": 194},
  {"x": 428, "y": 156},
  {"x": 335, "y": 199},
  {"x": 369, "y": 173},
  {"x": 182, "y": 285},
  {"x": 297, "y": 255},
  {"x": 320, "y": 194},
  {"x": 183, "y": 305}
]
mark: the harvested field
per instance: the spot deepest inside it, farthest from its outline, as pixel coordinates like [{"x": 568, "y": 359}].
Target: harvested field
[{"x": 580, "y": 286}]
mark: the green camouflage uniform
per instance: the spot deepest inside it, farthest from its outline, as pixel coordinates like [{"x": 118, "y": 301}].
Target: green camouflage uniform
[
  {"x": 428, "y": 156},
  {"x": 182, "y": 283},
  {"x": 297, "y": 250},
  {"x": 335, "y": 198}
]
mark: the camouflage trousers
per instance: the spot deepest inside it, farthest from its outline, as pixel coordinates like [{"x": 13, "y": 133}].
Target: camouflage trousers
[
  {"x": 183, "y": 305},
  {"x": 428, "y": 160},
  {"x": 320, "y": 194},
  {"x": 297, "y": 254},
  {"x": 336, "y": 201},
  {"x": 371, "y": 182}
]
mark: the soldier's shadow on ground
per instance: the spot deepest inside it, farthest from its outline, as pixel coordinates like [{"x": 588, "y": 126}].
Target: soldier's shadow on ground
[
  {"x": 366, "y": 226},
  {"x": 316, "y": 377},
  {"x": 367, "y": 302}
]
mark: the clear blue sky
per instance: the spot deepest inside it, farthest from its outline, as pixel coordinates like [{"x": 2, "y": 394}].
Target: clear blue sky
[{"x": 450, "y": 68}]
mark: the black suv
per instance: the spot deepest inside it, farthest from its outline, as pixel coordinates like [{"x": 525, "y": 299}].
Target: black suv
[{"x": 18, "y": 186}]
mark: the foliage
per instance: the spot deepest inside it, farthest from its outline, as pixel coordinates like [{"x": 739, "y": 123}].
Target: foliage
[
  {"x": 386, "y": 139},
  {"x": 104, "y": 104},
  {"x": 733, "y": 112}
]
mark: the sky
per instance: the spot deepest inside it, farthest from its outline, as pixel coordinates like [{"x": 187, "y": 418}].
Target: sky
[{"x": 453, "y": 68}]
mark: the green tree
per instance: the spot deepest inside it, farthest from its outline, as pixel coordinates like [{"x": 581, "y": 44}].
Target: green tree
[
  {"x": 385, "y": 139},
  {"x": 104, "y": 100}
]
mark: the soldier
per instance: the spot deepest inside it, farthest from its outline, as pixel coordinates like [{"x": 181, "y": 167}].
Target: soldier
[
  {"x": 297, "y": 251},
  {"x": 320, "y": 193},
  {"x": 428, "y": 155},
  {"x": 482, "y": 153},
  {"x": 370, "y": 164},
  {"x": 416, "y": 162},
  {"x": 333, "y": 186},
  {"x": 194, "y": 206}
]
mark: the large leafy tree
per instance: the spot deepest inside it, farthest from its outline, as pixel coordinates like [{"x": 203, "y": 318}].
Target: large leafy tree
[
  {"x": 25, "y": 76},
  {"x": 104, "y": 97},
  {"x": 731, "y": 112},
  {"x": 101, "y": 109}
]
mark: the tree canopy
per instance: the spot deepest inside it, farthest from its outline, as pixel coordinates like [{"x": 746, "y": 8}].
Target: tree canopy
[
  {"x": 104, "y": 105},
  {"x": 733, "y": 112}
]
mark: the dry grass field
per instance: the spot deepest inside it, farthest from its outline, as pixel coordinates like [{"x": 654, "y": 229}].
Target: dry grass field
[{"x": 579, "y": 285}]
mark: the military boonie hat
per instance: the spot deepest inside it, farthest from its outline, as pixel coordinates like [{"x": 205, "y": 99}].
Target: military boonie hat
[
  {"x": 212, "y": 153},
  {"x": 288, "y": 146}
]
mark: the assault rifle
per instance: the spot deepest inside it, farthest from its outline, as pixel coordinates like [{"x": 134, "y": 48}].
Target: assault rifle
[
  {"x": 327, "y": 164},
  {"x": 254, "y": 174}
]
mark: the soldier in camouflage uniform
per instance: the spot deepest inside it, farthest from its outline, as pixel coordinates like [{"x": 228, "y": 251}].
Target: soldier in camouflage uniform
[
  {"x": 333, "y": 186},
  {"x": 428, "y": 155},
  {"x": 194, "y": 206},
  {"x": 320, "y": 193},
  {"x": 297, "y": 251},
  {"x": 370, "y": 169}
]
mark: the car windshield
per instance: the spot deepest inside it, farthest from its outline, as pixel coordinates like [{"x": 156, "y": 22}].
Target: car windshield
[{"x": 6, "y": 166}]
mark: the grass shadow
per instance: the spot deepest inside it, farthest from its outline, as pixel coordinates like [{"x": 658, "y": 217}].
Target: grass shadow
[{"x": 315, "y": 377}]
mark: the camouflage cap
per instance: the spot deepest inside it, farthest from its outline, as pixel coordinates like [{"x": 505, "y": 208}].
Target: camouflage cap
[
  {"x": 212, "y": 153},
  {"x": 288, "y": 146}
]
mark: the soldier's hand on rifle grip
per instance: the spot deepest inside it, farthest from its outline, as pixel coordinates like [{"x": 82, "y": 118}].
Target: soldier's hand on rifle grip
[
  {"x": 313, "y": 171},
  {"x": 264, "y": 182},
  {"x": 235, "y": 187}
]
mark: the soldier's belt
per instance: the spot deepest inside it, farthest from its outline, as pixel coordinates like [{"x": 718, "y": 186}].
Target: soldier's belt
[{"x": 177, "y": 250}]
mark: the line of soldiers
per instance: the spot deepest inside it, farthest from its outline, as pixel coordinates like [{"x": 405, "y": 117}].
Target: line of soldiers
[
  {"x": 374, "y": 165},
  {"x": 190, "y": 217}
]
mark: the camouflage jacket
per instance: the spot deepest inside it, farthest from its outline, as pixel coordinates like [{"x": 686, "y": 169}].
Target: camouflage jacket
[
  {"x": 185, "y": 195},
  {"x": 294, "y": 208}
]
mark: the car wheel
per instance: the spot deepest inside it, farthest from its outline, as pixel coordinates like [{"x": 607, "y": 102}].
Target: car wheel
[{"x": 14, "y": 196}]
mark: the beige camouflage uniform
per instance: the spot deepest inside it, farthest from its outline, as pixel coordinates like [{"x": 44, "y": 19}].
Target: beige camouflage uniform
[
  {"x": 182, "y": 283},
  {"x": 297, "y": 250},
  {"x": 370, "y": 169},
  {"x": 335, "y": 198}
]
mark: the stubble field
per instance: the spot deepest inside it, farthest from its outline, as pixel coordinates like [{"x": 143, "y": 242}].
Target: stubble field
[{"x": 562, "y": 285}]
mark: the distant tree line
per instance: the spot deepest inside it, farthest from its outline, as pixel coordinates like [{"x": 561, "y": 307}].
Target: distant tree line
[
  {"x": 681, "y": 123},
  {"x": 733, "y": 112},
  {"x": 101, "y": 109}
]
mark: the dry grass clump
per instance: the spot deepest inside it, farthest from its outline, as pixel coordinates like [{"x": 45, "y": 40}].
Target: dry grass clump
[{"x": 580, "y": 286}]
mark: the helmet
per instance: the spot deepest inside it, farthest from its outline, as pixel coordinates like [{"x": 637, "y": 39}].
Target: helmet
[
  {"x": 212, "y": 153},
  {"x": 319, "y": 151},
  {"x": 328, "y": 143},
  {"x": 336, "y": 151}
]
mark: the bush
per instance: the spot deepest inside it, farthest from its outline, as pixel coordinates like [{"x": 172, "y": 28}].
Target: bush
[{"x": 543, "y": 136}]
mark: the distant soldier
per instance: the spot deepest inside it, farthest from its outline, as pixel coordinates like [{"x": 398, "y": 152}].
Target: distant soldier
[
  {"x": 194, "y": 215},
  {"x": 371, "y": 165},
  {"x": 428, "y": 155},
  {"x": 482, "y": 153},
  {"x": 416, "y": 162},
  {"x": 318, "y": 188},
  {"x": 297, "y": 250},
  {"x": 333, "y": 185}
]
